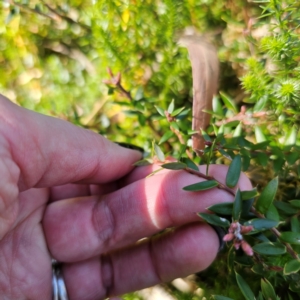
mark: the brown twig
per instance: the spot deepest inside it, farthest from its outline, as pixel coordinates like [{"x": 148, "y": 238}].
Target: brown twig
[{"x": 246, "y": 119}]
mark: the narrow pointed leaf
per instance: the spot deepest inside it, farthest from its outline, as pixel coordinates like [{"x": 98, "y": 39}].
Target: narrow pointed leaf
[
  {"x": 267, "y": 289},
  {"x": 222, "y": 208},
  {"x": 295, "y": 224},
  {"x": 158, "y": 152},
  {"x": 214, "y": 220},
  {"x": 246, "y": 195},
  {"x": 291, "y": 139},
  {"x": 292, "y": 266},
  {"x": 190, "y": 164},
  {"x": 238, "y": 130},
  {"x": 171, "y": 107},
  {"x": 260, "y": 104},
  {"x": 177, "y": 111},
  {"x": 285, "y": 207},
  {"x": 237, "y": 206},
  {"x": 228, "y": 102},
  {"x": 260, "y": 137},
  {"x": 244, "y": 287},
  {"x": 267, "y": 196},
  {"x": 160, "y": 110},
  {"x": 205, "y": 136},
  {"x": 165, "y": 137},
  {"x": 290, "y": 237},
  {"x": 272, "y": 213},
  {"x": 201, "y": 186},
  {"x": 268, "y": 248},
  {"x": 174, "y": 166},
  {"x": 262, "y": 224},
  {"x": 217, "y": 106},
  {"x": 175, "y": 125},
  {"x": 295, "y": 203},
  {"x": 143, "y": 162},
  {"x": 224, "y": 153},
  {"x": 234, "y": 172}
]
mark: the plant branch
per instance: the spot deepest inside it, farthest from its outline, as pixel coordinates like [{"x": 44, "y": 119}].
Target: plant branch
[
  {"x": 202, "y": 175},
  {"x": 277, "y": 233}
]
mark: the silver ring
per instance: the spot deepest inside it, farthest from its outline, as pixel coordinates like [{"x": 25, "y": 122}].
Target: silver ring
[{"x": 59, "y": 290}]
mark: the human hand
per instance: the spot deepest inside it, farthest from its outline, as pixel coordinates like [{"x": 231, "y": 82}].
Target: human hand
[{"x": 72, "y": 181}]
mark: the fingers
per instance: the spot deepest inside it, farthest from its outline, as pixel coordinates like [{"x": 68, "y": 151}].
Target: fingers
[
  {"x": 179, "y": 253},
  {"x": 81, "y": 228},
  {"x": 49, "y": 151}
]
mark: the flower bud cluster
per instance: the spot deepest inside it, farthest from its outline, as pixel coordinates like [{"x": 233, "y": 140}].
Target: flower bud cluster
[{"x": 235, "y": 234}]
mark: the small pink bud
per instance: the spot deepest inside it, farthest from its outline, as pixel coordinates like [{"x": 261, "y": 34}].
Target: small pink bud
[
  {"x": 246, "y": 229},
  {"x": 228, "y": 237},
  {"x": 247, "y": 248},
  {"x": 233, "y": 227},
  {"x": 237, "y": 244}
]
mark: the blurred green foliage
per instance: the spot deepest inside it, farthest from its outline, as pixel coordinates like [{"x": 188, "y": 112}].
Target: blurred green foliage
[{"x": 54, "y": 57}]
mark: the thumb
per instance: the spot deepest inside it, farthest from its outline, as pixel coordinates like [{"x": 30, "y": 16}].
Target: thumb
[{"x": 50, "y": 152}]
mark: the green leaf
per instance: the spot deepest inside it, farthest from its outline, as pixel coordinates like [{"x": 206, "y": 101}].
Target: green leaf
[
  {"x": 171, "y": 107},
  {"x": 292, "y": 266},
  {"x": 244, "y": 287},
  {"x": 260, "y": 104},
  {"x": 214, "y": 220},
  {"x": 190, "y": 164},
  {"x": 263, "y": 159},
  {"x": 290, "y": 237},
  {"x": 237, "y": 206},
  {"x": 177, "y": 111},
  {"x": 229, "y": 103},
  {"x": 222, "y": 208},
  {"x": 295, "y": 224},
  {"x": 175, "y": 125},
  {"x": 238, "y": 130},
  {"x": 160, "y": 110},
  {"x": 292, "y": 157},
  {"x": 260, "y": 137},
  {"x": 272, "y": 213},
  {"x": 267, "y": 289},
  {"x": 205, "y": 136},
  {"x": 217, "y": 106},
  {"x": 249, "y": 194},
  {"x": 165, "y": 137},
  {"x": 269, "y": 248},
  {"x": 158, "y": 152},
  {"x": 267, "y": 196},
  {"x": 224, "y": 153},
  {"x": 174, "y": 166},
  {"x": 262, "y": 224},
  {"x": 292, "y": 136},
  {"x": 286, "y": 207},
  {"x": 295, "y": 203},
  {"x": 143, "y": 162},
  {"x": 217, "y": 297},
  {"x": 201, "y": 186},
  {"x": 234, "y": 172}
]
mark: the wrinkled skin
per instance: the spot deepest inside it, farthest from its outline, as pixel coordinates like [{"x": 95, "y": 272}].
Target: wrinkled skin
[{"x": 68, "y": 193}]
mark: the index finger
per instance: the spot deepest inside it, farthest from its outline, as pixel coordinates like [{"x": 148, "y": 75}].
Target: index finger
[{"x": 50, "y": 152}]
